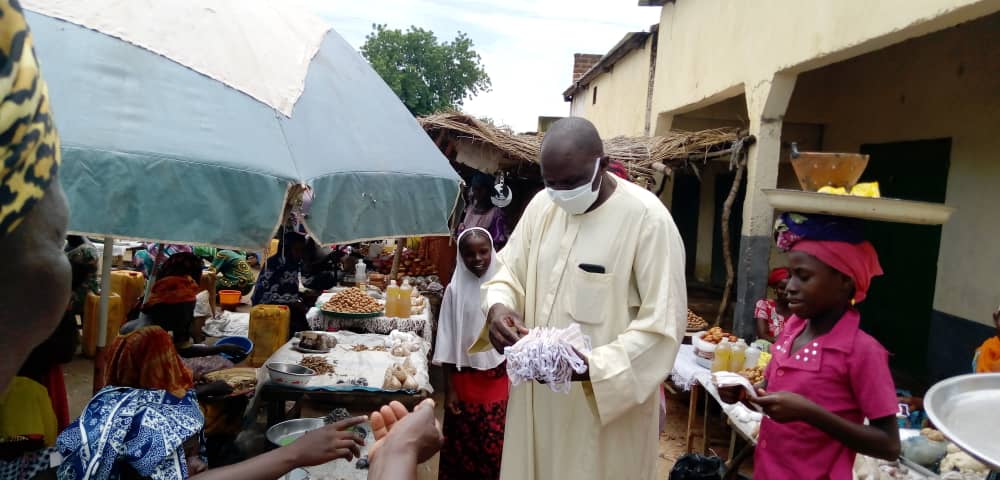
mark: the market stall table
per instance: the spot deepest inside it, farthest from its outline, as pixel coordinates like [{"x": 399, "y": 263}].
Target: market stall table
[{"x": 359, "y": 362}]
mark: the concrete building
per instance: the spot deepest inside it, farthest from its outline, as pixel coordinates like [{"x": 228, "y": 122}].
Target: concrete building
[
  {"x": 614, "y": 93},
  {"x": 913, "y": 83}
]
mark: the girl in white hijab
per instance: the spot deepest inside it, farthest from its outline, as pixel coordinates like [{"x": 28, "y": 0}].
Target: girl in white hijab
[{"x": 476, "y": 407}]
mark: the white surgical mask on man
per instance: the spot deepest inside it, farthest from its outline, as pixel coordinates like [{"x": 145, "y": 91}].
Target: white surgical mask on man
[{"x": 577, "y": 200}]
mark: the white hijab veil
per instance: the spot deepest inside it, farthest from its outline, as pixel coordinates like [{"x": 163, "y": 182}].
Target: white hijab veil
[{"x": 461, "y": 318}]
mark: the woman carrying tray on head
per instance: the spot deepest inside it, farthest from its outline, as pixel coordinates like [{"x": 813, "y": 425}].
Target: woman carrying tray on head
[
  {"x": 826, "y": 376},
  {"x": 477, "y": 390}
]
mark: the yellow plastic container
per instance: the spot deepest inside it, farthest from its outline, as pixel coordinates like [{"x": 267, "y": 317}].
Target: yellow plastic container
[
  {"x": 271, "y": 250},
  {"x": 129, "y": 285},
  {"x": 91, "y": 316},
  {"x": 268, "y": 331}
]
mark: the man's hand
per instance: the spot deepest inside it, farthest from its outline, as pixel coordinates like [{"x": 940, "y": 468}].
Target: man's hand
[
  {"x": 403, "y": 433},
  {"x": 505, "y": 327},
  {"x": 784, "y": 407},
  {"x": 327, "y": 444},
  {"x": 452, "y": 402},
  {"x": 585, "y": 376}
]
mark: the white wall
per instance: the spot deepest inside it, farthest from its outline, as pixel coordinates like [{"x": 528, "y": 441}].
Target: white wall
[
  {"x": 710, "y": 49},
  {"x": 946, "y": 84},
  {"x": 621, "y": 96}
]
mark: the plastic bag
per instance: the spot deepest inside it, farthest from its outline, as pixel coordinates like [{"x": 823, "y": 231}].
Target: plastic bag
[{"x": 697, "y": 467}]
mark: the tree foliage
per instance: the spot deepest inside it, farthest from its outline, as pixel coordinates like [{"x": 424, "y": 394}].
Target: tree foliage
[{"x": 428, "y": 76}]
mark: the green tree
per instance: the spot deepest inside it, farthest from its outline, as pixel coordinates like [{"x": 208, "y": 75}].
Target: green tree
[{"x": 428, "y": 76}]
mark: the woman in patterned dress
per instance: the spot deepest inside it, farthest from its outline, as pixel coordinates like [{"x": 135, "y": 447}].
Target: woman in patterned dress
[{"x": 476, "y": 407}]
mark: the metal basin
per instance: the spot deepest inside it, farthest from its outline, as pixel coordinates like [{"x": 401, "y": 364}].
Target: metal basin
[
  {"x": 964, "y": 409},
  {"x": 288, "y": 431},
  {"x": 290, "y": 374}
]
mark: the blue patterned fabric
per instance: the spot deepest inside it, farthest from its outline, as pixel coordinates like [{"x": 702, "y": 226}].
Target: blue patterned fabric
[
  {"x": 278, "y": 283},
  {"x": 144, "y": 429}
]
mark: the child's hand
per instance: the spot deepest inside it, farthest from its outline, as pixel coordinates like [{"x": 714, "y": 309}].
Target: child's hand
[
  {"x": 328, "y": 443},
  {"x": 784, "y": 407}
]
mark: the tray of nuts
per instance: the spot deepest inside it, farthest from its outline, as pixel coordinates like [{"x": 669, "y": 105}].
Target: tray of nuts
[
  {"x": 352, "y": 303},
  {"x": 755, "y": 374}
]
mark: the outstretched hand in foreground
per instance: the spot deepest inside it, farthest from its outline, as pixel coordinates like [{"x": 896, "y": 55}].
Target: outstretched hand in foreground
[{"x": 403, "y": 440}]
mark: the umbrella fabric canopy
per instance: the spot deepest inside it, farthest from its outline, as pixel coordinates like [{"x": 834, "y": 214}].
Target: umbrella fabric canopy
[{"x": 155, "y": 150}]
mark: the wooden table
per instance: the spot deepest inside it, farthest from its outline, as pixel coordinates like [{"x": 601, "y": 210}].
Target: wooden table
[{"x": 704, "y": 387}]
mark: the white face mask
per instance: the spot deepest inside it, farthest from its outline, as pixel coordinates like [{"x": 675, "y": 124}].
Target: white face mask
[{"x": 577, "y": 200}]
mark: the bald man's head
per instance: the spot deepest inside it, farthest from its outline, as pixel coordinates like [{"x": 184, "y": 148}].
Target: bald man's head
[{"x": 569, "y": 152}]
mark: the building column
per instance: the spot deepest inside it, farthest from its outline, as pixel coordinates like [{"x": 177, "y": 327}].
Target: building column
[{"x": 767, "y": 101}]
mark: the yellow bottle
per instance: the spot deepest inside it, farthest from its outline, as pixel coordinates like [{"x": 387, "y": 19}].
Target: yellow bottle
[
  {"x": 404, "y": 300},
  {"x": 738, "y": 357},
  {"x": 391, "y": 299},
  {"x": 723, "y": 354}
]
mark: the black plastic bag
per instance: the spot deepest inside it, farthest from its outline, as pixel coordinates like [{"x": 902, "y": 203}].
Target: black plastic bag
[{"x": 697, "y": 467}]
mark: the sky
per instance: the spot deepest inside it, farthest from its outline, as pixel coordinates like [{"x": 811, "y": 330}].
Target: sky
[{"x": 526, "y": 46}]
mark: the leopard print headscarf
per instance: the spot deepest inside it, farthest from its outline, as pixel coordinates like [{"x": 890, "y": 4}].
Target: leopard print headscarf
[{"x": 29, "y": 145}]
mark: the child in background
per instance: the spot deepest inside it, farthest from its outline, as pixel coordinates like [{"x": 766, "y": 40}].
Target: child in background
[
  {"x": 477, "y": 390},
  {"x": 770, "y": 314},
  {"x": 826, "y": 376},
  {"x": 988, "y": 354}
]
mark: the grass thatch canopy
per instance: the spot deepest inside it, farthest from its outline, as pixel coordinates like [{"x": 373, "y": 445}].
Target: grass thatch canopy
[{"x": 642, "y": 156}]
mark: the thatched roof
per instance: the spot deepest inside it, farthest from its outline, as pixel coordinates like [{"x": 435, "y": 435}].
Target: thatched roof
[{"x": 642, "y": 156}]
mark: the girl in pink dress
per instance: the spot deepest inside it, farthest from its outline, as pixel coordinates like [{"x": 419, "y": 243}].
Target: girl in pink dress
[{"x": 826, "y": 376}]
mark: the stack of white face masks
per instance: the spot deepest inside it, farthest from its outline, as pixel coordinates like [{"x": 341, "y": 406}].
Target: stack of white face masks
[{"x": 547, "y": 355}]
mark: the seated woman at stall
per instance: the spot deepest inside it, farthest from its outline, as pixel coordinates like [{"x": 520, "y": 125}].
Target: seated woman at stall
[
  {"x": 234, "y": 272},
  {"x": 988, "y": 354},
  {"x": 770, "y": 314},
  {"x": 279, "y": 283},
  {"x": 826, "y": 376},
  {"x": 477, "y": 389}
]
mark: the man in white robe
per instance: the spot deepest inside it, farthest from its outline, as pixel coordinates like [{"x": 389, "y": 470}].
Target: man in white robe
[{"x": 605, "y": 254}]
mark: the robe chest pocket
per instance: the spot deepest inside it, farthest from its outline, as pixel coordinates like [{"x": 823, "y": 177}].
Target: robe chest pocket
[{"x": 588, "y": 298}]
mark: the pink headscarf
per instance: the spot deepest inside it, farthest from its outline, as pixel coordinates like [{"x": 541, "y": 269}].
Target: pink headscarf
[{"x": 858, "y": 261}]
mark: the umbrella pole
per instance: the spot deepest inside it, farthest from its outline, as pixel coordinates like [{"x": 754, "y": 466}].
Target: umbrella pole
[
  {"x": 103, "y": 307},
  {"x": 395, "y": 259}
]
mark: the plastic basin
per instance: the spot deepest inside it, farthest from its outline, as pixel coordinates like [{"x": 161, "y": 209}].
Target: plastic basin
[
  {"x": 243, "y": 342},
  {"x": 230, "y": 297}
]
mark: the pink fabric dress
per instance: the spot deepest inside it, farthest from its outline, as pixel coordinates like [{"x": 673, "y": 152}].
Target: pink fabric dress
[{"x": 845, "y": 371}]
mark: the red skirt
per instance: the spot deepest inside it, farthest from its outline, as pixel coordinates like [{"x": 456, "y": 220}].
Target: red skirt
[{"x": 474, "y": 438}]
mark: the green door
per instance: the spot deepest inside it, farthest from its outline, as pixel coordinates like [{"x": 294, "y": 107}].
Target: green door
[{"x": 900, "y": 303}]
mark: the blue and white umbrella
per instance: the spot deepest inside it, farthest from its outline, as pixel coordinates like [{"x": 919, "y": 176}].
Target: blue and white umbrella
[{"x": 188, "y": 122}]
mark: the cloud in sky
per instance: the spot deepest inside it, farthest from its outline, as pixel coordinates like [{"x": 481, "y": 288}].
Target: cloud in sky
[{"x": 527, "y": 46}]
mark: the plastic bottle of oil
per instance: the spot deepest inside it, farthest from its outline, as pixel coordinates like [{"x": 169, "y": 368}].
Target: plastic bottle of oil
[
  {"x": 723, "y": 353},
  {"x": 739, "y": 356},
  {"x": 391, "y": 299},
  {"x": 405, "y": 292}
]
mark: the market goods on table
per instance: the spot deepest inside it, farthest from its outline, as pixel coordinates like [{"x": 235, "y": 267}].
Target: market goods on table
[
  {"x": 318, "y": 363},
  {"x": 755, "y": 374},
  {"x": 240, "y": 379},
  {"x": 410, "y": 264},
  {"x": 400, "y": 376},
  {"x": 695, "y": 322},
  {"x": 361, "y": 360},
  {"x": 705, "y": 343},
  {"x": 352, "y": 300},
  {"x": 716, "y": 335},
  {"x": 316, "y": 341}
]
